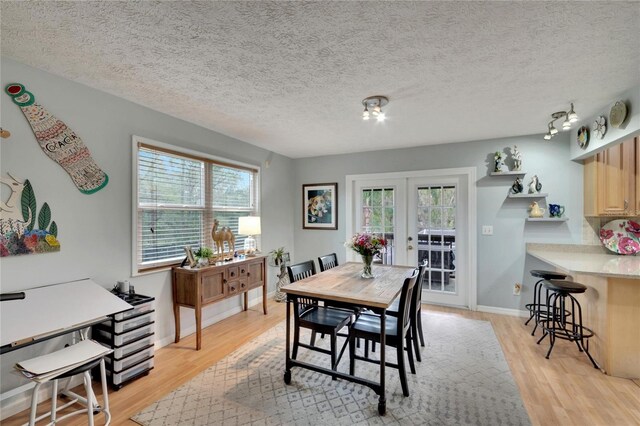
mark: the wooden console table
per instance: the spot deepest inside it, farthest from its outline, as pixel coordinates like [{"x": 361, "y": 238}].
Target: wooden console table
[{"x": 195, "y": 288}]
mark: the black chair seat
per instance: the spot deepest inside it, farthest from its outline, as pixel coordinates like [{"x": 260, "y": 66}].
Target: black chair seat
[
  {"x": 326, "y": 317},
  {"x": 548, "y": 275},
  {"x": 370, "y": 324},
  {"x": 564, "y": 286}
]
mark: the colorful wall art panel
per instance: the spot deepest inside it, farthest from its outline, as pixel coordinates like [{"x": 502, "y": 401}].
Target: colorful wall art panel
[
  {"x": 24, "y": 229},
  {"x": 59, "y": 142}
]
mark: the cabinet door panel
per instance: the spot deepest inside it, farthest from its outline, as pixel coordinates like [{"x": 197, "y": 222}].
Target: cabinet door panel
[
  {"x": 616, "y": 180},
  {"x": 213, "y": 287},
  {"x": 255, "y": 272}
]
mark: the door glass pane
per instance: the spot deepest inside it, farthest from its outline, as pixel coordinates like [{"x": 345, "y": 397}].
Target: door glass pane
[
  {"x": 436, "y": 226},
  {"x": 378, "y": 217}
]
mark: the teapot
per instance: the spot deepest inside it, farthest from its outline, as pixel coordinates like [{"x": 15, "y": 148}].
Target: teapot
[
  {"x": 556, "y": 210},
  {"x": 536, "y": 211}
]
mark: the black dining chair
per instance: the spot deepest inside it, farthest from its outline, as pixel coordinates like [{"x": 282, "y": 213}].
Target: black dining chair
[
  {"x": 397, "y": 329},
  {"x": 415, "y": 312},
  {"x": 327, "y": 261},
  {"x": 319, "y": 319}
]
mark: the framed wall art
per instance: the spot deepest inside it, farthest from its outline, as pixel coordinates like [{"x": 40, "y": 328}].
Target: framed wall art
[{"x": 320, "y": 206}]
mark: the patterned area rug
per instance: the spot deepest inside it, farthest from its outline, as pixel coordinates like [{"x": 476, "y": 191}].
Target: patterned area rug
[{"x": 463, "y": 379}]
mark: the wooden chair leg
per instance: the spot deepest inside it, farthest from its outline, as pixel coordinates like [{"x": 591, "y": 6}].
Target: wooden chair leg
[
  {"x": 401, "y": 369},
  {"x": 421, "y": 335},
  {"x": 416, "y": 344},
  {"x": 409, "y": 340},
  {"x": 313, "y": 338}
]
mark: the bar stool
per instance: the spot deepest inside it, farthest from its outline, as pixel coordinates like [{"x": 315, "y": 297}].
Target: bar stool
[
  {"x": 88, "y": 402},
  {"x": 537, "y": 309},
  {"x": 557, "y": 324}
]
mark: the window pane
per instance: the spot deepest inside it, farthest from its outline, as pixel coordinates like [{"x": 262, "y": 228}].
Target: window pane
[
  {"x": 166, "y": 232},
  {"x": 164, "y": 179},
  {"x": 230, "y": 219},
  {"x": 231, "y": 187},
  {"x": 449, "y": 196}
]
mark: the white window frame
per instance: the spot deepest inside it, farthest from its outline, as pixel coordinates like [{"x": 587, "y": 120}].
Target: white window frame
[{"x": 135, "y": 141}]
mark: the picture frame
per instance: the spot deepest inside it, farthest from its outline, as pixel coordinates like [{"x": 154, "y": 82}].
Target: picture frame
[
  {"x": 320, "y": 206},
  {"x": 191, "y": 259}
]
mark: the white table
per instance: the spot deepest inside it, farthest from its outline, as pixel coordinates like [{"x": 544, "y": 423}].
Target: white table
[{"x": 51, "y": 311}]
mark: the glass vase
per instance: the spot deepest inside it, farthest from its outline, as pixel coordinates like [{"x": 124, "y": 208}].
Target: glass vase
[{"x": 367, "y": 260}]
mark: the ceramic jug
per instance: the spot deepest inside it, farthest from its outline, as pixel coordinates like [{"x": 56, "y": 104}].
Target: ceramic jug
[
  {"x": 556, "y": 210},
  {"x": 536, "y": 211}
]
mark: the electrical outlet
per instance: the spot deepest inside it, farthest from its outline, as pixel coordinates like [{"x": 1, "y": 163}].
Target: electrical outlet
[
  {"x": 517, "y": 287},
  {"x": 487, "y": 230}
]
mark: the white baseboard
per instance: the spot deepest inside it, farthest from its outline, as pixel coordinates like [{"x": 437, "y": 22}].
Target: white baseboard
[{"x": 503, "y": 311}]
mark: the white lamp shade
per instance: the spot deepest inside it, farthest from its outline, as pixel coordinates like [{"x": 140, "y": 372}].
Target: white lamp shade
[{"x": 249, "y": 225}]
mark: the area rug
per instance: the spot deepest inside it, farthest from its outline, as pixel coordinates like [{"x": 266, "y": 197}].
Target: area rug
[{"x": 463, "y": 379}]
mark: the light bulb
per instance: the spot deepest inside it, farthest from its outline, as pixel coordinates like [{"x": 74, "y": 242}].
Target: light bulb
[
  {"x": 553, "y": 131},
  {"x": 381, "y": 117},
  {"x": 566, "y": 125},
  {"x": 365, "y": 115},
  {"x": 547, "y": 136},
  {"x": 376, "y": 110}
]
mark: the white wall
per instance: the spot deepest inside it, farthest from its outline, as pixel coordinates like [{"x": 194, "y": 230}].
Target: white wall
[
  {"x": 501, "y": 257},
  {"x": 95, "y": 230}
]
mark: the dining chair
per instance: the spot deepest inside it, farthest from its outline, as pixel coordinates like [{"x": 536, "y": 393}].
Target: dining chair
[
  {"x": 319, "y": 319},
  {"x": 397, "y": 330},
  {"x": 327, "y": 261},
  {"x": 415, "y": 313}
]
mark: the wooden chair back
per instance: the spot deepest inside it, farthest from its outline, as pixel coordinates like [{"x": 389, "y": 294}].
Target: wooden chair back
[
  {"x": 416, "y": 297},
  {"x": 405, "y": 306},
  {"x": 298, "y": 272},
  {"x": 327, "y": 261}
]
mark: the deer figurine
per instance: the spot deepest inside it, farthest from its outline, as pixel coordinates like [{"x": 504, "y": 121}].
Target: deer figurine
[
  {"x": 221, "y": 236},
  {"x": 11, "y": 211}
]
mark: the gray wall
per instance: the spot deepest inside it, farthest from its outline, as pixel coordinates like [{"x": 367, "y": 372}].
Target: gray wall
[
  {"x": 95, "y": 230},
  {"x": 501, "y": 257}
]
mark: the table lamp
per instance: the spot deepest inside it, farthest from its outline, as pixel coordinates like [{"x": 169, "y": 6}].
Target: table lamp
[{"x": 250, "y": 226}]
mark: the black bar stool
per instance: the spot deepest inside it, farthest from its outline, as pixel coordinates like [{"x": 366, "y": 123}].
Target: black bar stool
[
  {"x": 538, "y": 309},
  {"x": 556, "y": 323}
]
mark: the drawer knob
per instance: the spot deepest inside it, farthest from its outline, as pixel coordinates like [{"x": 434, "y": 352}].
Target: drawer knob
[
  {"x": 248, "y": 274},
  {"x": 242, "y": 271},
  {"x": 224, "y": 281},
  {"x": 233, "y": 274}
]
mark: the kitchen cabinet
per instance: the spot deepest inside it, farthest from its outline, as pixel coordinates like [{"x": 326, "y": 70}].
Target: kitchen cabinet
[
  {"x": 610, "y": 181},
  {"x": 198, "y": 287}
]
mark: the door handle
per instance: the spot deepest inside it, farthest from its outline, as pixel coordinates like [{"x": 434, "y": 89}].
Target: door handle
[
  {"x": 410, "y": 239},
  {"x": 409, "y": 247}
]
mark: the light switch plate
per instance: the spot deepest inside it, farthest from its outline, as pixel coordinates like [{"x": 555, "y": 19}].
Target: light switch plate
[{"x": 487, "y": 230}]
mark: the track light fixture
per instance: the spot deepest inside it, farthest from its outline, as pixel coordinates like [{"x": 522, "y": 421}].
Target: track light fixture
[
  {"x": 373, "y": 107},
  {"x": 569, "y": 118}
]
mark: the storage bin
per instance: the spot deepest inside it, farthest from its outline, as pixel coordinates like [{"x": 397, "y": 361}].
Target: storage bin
[
  {"x": 138, "y": 310},
  {"x": 119, "y": 365},
  {"x": 131, "y": 372},
  {"x": 123, "y": 339},
  {"x": 135, "y": 322},
  {"x": 121, "y": 352}
]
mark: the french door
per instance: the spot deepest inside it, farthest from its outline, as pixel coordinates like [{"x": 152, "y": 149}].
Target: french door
[{"x": 425, "y": 220}]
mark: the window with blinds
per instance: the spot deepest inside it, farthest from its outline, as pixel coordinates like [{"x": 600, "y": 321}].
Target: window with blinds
[{"x": 178, "y": 198}]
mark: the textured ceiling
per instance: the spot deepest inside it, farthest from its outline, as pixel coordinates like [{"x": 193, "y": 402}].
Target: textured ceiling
[{"x": 289, "y": 76}]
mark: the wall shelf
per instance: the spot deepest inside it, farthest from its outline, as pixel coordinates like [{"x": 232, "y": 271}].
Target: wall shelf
[
  {"x": 547, "y": 219},
  {"x": 511, "y": 173},
  {"x": 538, "y": 195}
]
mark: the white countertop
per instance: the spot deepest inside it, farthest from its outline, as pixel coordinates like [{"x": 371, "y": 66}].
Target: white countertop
[{"x": 591, "y": 260}]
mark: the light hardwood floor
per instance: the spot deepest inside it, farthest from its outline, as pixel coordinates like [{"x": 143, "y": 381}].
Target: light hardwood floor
[{"x": 564, "y": 390}]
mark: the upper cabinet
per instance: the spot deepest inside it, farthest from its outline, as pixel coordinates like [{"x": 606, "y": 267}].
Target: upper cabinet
[{"x": 611, "y": 186}]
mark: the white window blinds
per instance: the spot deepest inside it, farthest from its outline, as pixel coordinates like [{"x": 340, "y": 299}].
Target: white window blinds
[{"x": 179, "y": 196}]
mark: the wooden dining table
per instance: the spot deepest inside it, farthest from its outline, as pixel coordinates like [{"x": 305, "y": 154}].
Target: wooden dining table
[{"x": 344, "y": 284}]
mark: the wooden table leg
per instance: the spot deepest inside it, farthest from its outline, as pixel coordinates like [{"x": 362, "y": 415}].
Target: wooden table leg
[
  {"x": 264, "y": 297},
  {"x": 198, "y": 326},
  {"x": 287, "y": 368},
  {"x": 382, "y": 401},
  {"x": 246, "y": 300},
  {"x": 176, "y": 316}
]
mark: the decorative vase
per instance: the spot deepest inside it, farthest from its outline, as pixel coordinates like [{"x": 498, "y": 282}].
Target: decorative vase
[{"x": 367, "y": 259}]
